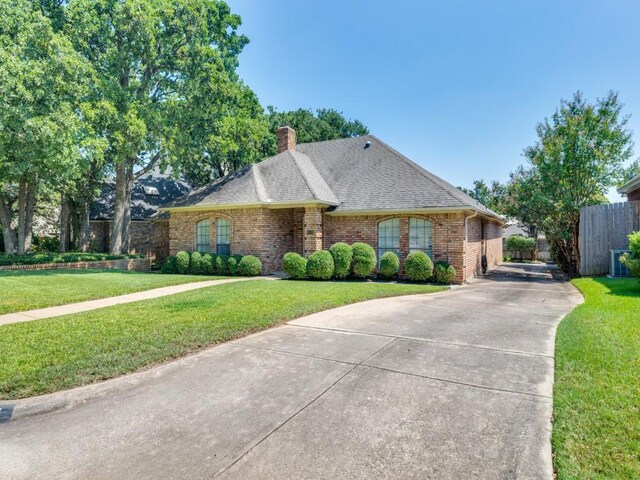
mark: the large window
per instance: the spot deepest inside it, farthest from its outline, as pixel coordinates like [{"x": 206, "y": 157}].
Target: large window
[
  {"x": 389, "y": 237},
  {"x": 202, "y": 236},
  {"x": 223, "y": 237},
  {"x": 420, "y": 236}
]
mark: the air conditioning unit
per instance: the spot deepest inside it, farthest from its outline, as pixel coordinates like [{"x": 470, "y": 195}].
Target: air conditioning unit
[{"x": 618, "y": 269}]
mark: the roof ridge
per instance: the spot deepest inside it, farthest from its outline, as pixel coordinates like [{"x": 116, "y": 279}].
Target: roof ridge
[
  {"x": 305, "y": 175},
  {"x": 337, "y": 139},
  {"x": 258, "y": 183}
]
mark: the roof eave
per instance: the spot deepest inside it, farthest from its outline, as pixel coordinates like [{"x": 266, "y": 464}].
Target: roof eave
[
  {"x": 401, "y": 211},
  {"x": 630, "y": 186}
]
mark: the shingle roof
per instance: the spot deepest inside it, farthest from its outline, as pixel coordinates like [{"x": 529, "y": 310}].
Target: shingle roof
[
  {"x": 342, "y": 174},
  {"x": 144, "y": 201}
]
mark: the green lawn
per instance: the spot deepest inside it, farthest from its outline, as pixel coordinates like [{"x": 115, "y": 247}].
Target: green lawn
[
  {"x": 47, "y": 355},
  {"x": 30, "y": 289},
  {"x": 596, "y": 399}
]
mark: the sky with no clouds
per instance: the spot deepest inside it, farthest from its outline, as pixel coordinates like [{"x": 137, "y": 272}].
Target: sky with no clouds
[{"x": 457, "y": 86}]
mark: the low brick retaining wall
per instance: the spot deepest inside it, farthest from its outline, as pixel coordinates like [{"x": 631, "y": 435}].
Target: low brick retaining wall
[{"x": 135, "y": 264}]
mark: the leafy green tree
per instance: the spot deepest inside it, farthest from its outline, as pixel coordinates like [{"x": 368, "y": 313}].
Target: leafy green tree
[
  {"x": 152, "y": 58},
  {"x": 325, "y": 124},
  {"x": 579, "y": 154},
  {"x": 42, "y": 83},
  {"x": 491, "y": 196}
]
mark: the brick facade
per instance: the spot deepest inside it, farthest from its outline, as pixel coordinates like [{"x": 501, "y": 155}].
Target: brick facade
[
  {"x": 633, "y": 195},
  {"x": 149, "y": 238},
  {"x": 270, "y": 233}
]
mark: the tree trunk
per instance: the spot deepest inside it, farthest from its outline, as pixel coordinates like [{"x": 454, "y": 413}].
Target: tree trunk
[
  {"x": 64, "y": 222},
  {"x": 122, "y": 209},
  {"x": 26, "y": 206},
  {"x": 84, "y": 239},
  {"x": 9, "y": 235}
]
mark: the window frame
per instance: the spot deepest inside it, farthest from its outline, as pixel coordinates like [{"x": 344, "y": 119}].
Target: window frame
[
  {"x": 203, "y": 232},
  {"x": 388, "y": 232},
  {"x": 223, "y": 231},
  {"x": 421, "y": 229}
]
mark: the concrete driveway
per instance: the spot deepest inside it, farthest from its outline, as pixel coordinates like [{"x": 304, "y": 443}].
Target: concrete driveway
[{"x": 453, "y": 385}]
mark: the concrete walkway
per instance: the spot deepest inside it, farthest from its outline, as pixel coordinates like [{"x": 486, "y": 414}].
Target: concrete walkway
[
  {"x": 60, "y": 310},
  {"x": 454, "y": 385}
]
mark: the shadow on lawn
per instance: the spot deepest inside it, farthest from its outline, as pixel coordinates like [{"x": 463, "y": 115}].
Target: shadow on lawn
[{"x": 621, "y": 287}]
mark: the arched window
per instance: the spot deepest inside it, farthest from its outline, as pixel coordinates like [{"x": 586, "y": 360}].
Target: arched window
[
  {"x": 420, "y": 236},
  {"x": 202, "y": 236},
  {"x": 223, "y": 237},
  {"x": 389, "y": 237}
]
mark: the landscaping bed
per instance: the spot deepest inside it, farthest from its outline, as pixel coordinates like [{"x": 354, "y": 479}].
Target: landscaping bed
[
  {"x": 27, "y": 290},
  {"x": 47, "y": 355},
  {"x": 53, "y": 257},
  {"x": 596, "y": 432}
]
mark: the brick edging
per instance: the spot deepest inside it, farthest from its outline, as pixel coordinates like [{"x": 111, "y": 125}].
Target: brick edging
[{"x": 131, "y": 264}]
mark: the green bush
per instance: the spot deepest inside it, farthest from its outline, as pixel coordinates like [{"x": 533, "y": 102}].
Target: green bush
[
  {"x": 294, "y": 265},
  {"x": 320, "y": 265},
  {"x": 632, "y": 261},
  {"x": 232, "y": 264},
  {"x": 342, "y": 255},
  {"x": 222, "y": 265},
  {"x": 250, "y": 266},
  {"x": 522, "y": 246},
  {"x": 195, "y": 266},
  {"x": 207, "y": 265},
  {"x": 364, "y": 260},
  {"x": 169, "y": 265},
  {"x": 182, "y": 262},
  {"x": 418, "y": 267},
  {"x": 443, "y": 272},
  {"x": 39, "y": 258},
  {"x": 389, "y": 265}
]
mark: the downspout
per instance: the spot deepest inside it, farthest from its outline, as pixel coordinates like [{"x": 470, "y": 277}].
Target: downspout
[{"x": 464, "y": 250}]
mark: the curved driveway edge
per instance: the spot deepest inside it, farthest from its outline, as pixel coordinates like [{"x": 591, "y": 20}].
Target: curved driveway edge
[{"x": 454, "y": 385}]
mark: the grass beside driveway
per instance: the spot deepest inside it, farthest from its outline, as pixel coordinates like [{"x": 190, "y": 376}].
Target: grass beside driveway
[
  {"x": 31, "y": 289},
  {"x": 47, "y": 355},
  {"x": 596, "y": 398}
]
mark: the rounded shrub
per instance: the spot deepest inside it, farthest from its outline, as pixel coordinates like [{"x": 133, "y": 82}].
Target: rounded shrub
[
  {"x": 418, "y": 267},
  {"x": 182, "y": 262},
  {"x": 342, "y": 255},
  {"x": 294, "y": 265},
  {"x": 195, "y": 267},
  {"x": 443, "y": 272},
  {"x": 320, "y": 265},
  {"x": 389, "y": 265},
  {"x": 222, "y": 266},
  {"x": 169, "y": 265},
  {"x": 249, "y": 266},
  {"x": 206, "y": 266},
  {"x": 232, "y": 264},
  {"x": 364, "y": 260}
]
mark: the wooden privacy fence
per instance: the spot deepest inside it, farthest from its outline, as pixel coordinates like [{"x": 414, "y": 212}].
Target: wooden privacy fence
[{"x": 604, "y": 228}]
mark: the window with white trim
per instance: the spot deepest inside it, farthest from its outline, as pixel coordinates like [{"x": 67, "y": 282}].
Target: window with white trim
[
  {"x": 420, "y": 236},
  {"x": 202, "y": 236},
  {"x": 389, "y": 237},
  {"x": 223, "y": 236}
]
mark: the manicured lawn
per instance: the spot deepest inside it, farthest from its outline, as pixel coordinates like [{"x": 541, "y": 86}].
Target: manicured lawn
[
  {"x": 47, "y": 355},
  {"x": 27, "y": 290},
  {"x": 596, "y": 431}
]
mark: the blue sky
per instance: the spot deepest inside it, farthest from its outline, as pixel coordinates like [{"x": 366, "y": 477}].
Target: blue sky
[{"x": 457, "y": 86}]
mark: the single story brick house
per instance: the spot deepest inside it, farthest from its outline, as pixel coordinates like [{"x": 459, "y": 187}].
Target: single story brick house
[
  {"x": 631, "y": 189},
  {"x": 149, "y": 228},
  {"x": 310, "y": 196}
]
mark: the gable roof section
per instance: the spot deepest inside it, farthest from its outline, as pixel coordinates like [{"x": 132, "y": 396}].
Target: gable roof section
[
  {"x": 341, "y": 174},
  {"x": 630, "y": 186}
]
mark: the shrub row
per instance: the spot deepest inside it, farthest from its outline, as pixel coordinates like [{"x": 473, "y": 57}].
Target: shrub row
[
  {"x": 69, "y": 257},
  {"x": 198, "y": 263},
  {"x": 359, "y": 261}
]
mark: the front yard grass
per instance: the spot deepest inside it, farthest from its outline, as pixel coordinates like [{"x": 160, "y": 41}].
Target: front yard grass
[
  {"x": 31, "y": 289},
  {"x": 596, "y": 432},
  {"x": 47, "y": 355}
]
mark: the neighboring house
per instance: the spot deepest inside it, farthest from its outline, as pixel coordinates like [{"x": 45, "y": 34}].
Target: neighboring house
[
  {"x": 631, "y": 189},
  {"x": 149, "y": 230},
  {"x": 310, "y": 196}
]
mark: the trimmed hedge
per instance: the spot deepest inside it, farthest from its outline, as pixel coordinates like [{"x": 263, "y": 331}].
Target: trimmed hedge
[
  {"x": 196, "y": 263},
  {"x": 443, "y": 272},
  {"x": 389, "y": 265},
  {"x": 233, "y": 263},
  {"x": 364, "y": 260},
  {"x": 222, "y": 266},
  {"x": 418, "y": 267},
  {"x": 182, "y": 262},
  {"x": 69, "y": 257},
  {"x": 169, "y": 265},
  {"x": 342, "y": 255},
  {"x": 250, "y": 266},
  {"x": 294, "y": 265},
  {"x": 207, "y": 264},
  {"x": 320, "y": 265},
  {"x": 522, "y": 246}
]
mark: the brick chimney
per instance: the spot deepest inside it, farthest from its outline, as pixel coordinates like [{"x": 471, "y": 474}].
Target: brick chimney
[{"x": 286, "y": 139}]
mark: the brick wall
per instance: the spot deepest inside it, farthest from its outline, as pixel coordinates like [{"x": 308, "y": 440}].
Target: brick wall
[
  {"x": 161, "y": 240},
  {"x": 490, "y": 245},
  {"x": 132, "y": 264},
  {"x": 145, "y": 240},
  {"x": 633, "y": 195}
]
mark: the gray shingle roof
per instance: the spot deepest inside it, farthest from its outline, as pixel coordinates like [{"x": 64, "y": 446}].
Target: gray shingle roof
[{"x": 342, "y": 174}]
